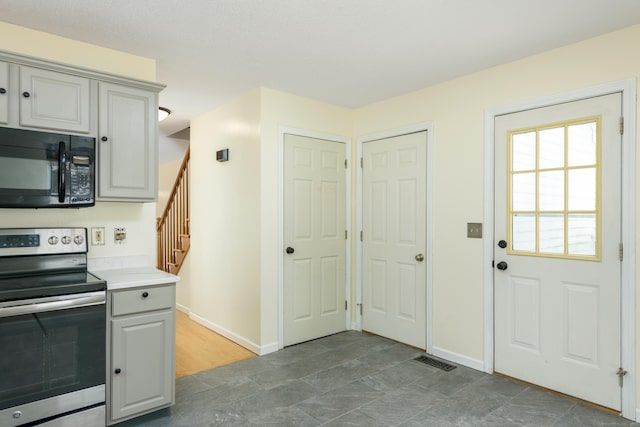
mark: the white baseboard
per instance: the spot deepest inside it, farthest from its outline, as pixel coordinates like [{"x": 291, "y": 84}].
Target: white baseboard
[
  {"x": 183, "y": 308},
  {"x": 248, "y": 344},
  {"x": 458, "y": 358},
  {"x": 637, "y": 415}
]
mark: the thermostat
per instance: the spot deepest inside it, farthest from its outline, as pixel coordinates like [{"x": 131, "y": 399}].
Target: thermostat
[{"x": 222, "y": 155}]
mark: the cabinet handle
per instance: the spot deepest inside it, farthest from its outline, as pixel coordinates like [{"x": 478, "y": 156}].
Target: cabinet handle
[
  {"x": 145, "y": 294},
  {"x": 104, "y": 139},
  {"x": 2, "y": 91},
  {"x": 117, "y": 371},
  {"x": 26, "y": 94}
]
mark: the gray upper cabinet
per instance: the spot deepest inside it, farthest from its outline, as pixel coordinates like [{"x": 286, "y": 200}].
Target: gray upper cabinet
[
  {"x": 52, "y": 100},
  {"x": 127, "y": 143},
  {"x": 4, "y": 93}
]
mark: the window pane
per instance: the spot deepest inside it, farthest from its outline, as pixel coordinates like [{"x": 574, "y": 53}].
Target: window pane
[
  {"x": 582, "y": 144},
  {"x": 582, "y": 234},
  {"x": 524, "y": 232},
  {"x": 524, "y": 192},
  {"x": 552, "y": 148},
  {"x": 552, "y": 234},
  {"x": 551, "y": 191},
  {"x": 582, "y": 189},
  {"x": 524, "y": 151}
]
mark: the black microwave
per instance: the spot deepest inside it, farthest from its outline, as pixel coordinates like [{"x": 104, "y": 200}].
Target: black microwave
[{"x": 46, "y": 170}]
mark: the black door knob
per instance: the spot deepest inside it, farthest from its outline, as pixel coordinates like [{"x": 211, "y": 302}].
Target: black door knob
[
  {"x": 290, "y": 250},
  {"x": 26, "y": 94},
  {"x": 145, "y": 294},
  {"x": 104, "y": 139},
  {"x": 117, "y": 371},
  {"x": 502, "y": 265},
  {"x": 3, "y": 90},
  {"x": 502, "y": 244}
]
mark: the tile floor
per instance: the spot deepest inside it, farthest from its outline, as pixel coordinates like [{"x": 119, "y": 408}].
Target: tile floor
[{"x": 355, "y": 379}]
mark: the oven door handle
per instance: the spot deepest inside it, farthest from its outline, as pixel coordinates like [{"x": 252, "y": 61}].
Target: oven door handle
[{"x": 53, "y": 304}]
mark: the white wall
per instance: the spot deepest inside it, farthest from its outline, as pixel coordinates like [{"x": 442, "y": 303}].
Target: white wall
[
  {"x": 137, "y": 218},
  {"x": 225, "y": 220}
]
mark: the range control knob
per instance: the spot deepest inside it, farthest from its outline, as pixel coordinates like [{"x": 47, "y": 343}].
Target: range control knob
[
  {"x": 78, "y": 240},
  {"x": 53, "y": 240},
  {"x": 66, "y": 240}
]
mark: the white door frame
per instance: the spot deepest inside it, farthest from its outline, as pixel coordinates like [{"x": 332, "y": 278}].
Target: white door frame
[
  {"x": 425, "y": 126},
  {"x": 627, "y": 291},
  {"x": 282, "y": 131}
]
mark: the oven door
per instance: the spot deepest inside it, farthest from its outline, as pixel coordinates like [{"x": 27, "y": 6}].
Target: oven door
[{"x": 53, "y": 356}]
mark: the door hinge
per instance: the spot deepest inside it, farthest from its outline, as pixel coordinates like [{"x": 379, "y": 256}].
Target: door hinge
[
  {"x": 360, "y": 308},
  {"x": 361, "y": 235},
  {"x": 621, "y": 373},
  {"x": 345, "y": 163},
  {"x": 346, "y": 234},
  {"x": 345, "y": 305},
  {"x": 361, "y": 162},
  {"x": 621, "y": 125},
  {"x": 620, "y": 252}
]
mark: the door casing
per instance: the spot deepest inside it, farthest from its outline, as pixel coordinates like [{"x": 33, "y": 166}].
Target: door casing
[
  {"x": 424, "y": 126},
  {"x": 627, "y": 291},
  {"x": 282, "y": 131}
]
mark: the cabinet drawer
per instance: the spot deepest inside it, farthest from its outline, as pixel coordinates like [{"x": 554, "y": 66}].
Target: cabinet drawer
[{"x": 142, "y": 299}]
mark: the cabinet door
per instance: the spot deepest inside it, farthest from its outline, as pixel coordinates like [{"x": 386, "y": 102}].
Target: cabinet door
[
  {"x": 127, "y": 141},
  {"x": 54, "y": 100},
  {"x": 142, "y": 367},
  {"x": 4, "y": 93}
]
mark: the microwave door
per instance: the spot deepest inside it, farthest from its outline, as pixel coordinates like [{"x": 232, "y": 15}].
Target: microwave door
[{"x": 29, "y": 174}]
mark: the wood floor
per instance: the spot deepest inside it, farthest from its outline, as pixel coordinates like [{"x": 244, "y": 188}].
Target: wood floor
[{"x": 199, "y": 348}]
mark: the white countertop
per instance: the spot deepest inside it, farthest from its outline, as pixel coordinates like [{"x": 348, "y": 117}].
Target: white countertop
[{"x": 131, "y": 277}]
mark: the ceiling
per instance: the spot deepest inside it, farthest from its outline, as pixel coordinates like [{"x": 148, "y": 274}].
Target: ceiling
[{"x": 345, "y": 52}]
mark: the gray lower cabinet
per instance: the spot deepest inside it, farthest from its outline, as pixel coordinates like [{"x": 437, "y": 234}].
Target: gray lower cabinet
[{"x": 141, "y": 369}]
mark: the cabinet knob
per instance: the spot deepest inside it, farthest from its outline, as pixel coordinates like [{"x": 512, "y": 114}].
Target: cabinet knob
[
  {"x": 3, "y": 90},
  {"x": 26, "y": 94},
  {"x": 117, "y": 371},
  {"x": 145, "y": 294},
  {"x": 104, "y": 139}
]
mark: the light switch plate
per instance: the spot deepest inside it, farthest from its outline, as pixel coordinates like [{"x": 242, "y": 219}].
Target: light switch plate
[{"x": 474, "y": 230}]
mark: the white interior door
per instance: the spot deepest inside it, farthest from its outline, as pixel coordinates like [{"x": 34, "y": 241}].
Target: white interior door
[
  {"x": 314, "y": 238},
  {"x": 557, "y": 234},
  {"x": 394, "y": 183}
]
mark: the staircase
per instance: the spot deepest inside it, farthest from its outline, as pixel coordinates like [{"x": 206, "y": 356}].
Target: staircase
[{"x": 173, "y": 226}]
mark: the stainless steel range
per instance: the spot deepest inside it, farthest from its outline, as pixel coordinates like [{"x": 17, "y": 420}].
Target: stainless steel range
[{"x": 52, "y": 330}]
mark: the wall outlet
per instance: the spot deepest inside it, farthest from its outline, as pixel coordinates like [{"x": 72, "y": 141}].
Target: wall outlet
[
  {"x": 97, "y": 236},
  {"x": 119, "y": 234}
]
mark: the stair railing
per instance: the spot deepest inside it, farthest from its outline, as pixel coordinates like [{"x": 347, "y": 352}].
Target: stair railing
[{"x": 173, "y": 226}]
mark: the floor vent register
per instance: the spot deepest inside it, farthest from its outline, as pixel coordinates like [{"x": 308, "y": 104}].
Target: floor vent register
[{"x": 436, "y": 363}]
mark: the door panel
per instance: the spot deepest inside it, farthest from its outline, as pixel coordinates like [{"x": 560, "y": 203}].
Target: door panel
[
  {"x": 394, "y": 233},
  {"x": 314, "y": 227},
  {"x": 557, "y": 195}
]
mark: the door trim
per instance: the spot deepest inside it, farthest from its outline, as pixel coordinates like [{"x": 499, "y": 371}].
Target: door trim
[
  {"x": 419, "y": 127},
  {"x": 627, "y": 292},
  {"x": 282, "y": 131}
]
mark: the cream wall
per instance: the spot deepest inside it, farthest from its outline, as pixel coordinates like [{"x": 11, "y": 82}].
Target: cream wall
[
  {"x": 225, "y": 220},
  {"x": 283, "y": 109},
  {"x": 457, "y": 110},
  {"x": 137, "y": 218}
]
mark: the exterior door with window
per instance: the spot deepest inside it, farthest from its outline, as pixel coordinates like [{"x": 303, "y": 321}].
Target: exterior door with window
[{"x": 557, "y": 236}]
